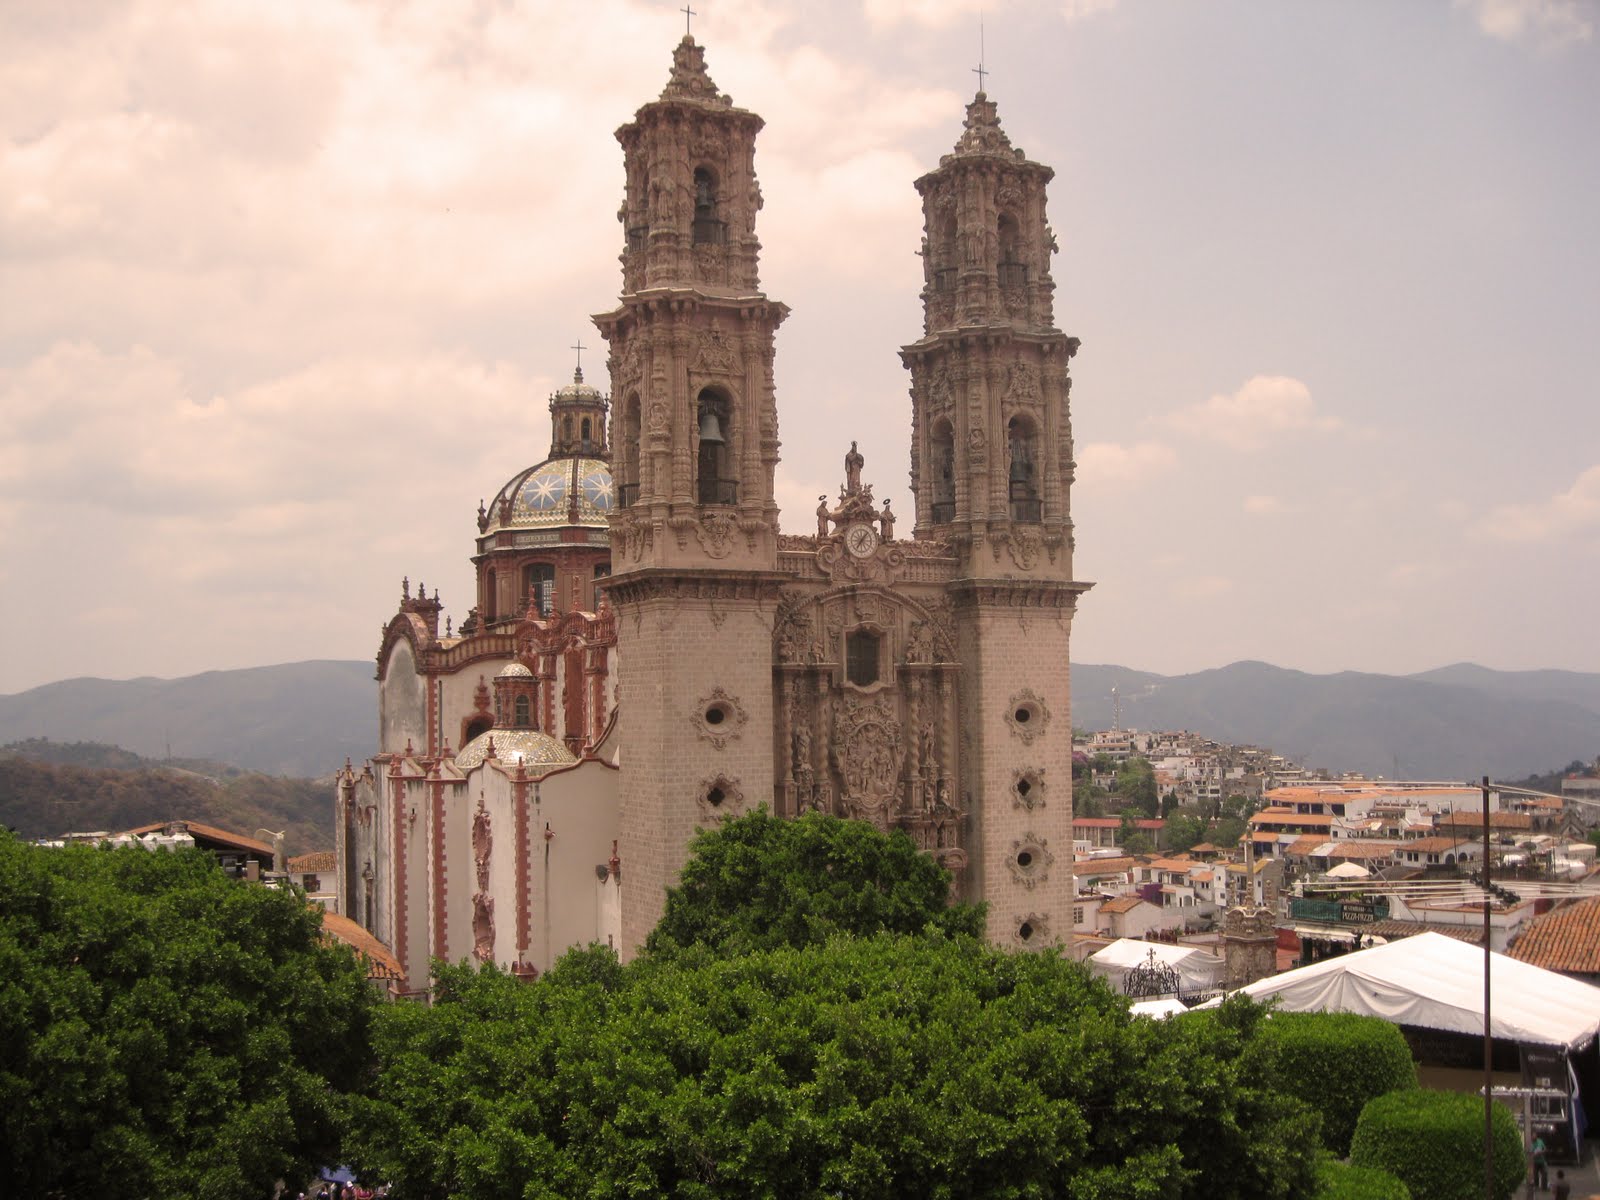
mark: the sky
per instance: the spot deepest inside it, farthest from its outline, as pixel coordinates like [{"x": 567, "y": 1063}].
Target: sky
[{"x": 284, "y": 290}]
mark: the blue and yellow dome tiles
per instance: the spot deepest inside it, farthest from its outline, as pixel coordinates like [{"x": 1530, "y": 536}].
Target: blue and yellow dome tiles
[{"x": 542, "y": 495}]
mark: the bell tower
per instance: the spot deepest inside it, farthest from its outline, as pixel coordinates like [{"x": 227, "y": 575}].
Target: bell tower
[
  {"x": 991, "y": 468},
  {"x": 694, "y": 445}
]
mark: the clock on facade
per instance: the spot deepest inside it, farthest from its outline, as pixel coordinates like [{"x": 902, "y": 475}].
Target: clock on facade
[{"x": 861, "y": 540}]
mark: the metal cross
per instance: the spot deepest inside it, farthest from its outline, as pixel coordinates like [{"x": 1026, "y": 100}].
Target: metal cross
[
  {"x": 579, "y": 347},
  {"x": 978, "y": 70},
  {"x": 688, "y": 15},
  {"x": 980, "y": 73}
]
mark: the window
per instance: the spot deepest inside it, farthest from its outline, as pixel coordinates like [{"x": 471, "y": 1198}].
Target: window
[
  {"x": 519, "y": 709},
  {"x": 1012, "y": 271},
  {"x": 586, "y": 443},
  {"x": 861, "y": 657},
  {"x": 539, "y": 585},
  {"x": 628, "y": 479}
]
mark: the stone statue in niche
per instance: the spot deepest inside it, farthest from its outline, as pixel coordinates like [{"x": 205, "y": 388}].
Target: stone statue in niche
[
  {"x": 823, "y": 514},
  {"x": 886, "y": 521},
  {"x": 483, "y": 927},
  {"x": 482, "y": 846}
]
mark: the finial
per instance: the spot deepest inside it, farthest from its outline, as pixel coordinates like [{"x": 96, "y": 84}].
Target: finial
[
  {"x": 577, "y": 374},
  {"x": 688, "y": 16},
  {"x": 405, "y": 587}
]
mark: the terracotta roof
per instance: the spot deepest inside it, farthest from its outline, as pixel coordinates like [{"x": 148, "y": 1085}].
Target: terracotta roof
[
  {"x": 317, "y": 862},
  {"x": 1439, "y": 845},
  {"x": 1278, "y": 817},
  {"x": 1306, "y": 843},
  {"x": 1085, "y": 868},
  {"x": 1564, "y": 939},
  {"x": 1172, "y": 864},
  {"x": 1116, "y": 822},
  {"x": 1363, "y": 850},
  {"x": 210, "y": 832},
  {"x": 1122, "y": 904},
  {"x": 381, "y": 962},
  {"x": 1497, "y": 820}
]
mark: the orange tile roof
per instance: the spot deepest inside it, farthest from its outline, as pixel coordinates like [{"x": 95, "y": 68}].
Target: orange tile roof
[
  {"x": 1087, "y": 868},
  {"x": 1438, "y": 845},
  {"x": 1351, "y": 849},
  {"x": 1122, "y": 904},
  {"x": 1497, "y": 820},
  {"x": 317, "y": 862},
  {"x": 1306, "y": 843},
  {"x": 1564, "y": 939},
  {"x": 1272, "y": 817},
  {"x": 381, "y": 962}
]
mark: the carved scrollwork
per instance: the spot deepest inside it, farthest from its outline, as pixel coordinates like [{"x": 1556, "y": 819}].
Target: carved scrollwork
[
  {"x": 719, "y": 718},
  {"x": 713, "y": 354},
  {"x": 715, "y": 533},
  {"x": 1030, "y": 860},
  {"x": 1028, "y": 788},
  {"x": 1027, "y": 715},
  {"x": 869, "y": 753},
  {"x": 1032, "y": 929},
  {"x": 1024, "y": 544},
  {"x": 720, "y": 797}
]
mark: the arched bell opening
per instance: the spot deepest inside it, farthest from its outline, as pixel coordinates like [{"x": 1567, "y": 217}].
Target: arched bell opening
[
  {"x": 714, "y": 479},
  {"x": 1022, "y": 441}
]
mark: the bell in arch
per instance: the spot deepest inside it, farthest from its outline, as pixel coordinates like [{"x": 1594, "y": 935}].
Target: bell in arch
[{"x": 710, "y": 428}]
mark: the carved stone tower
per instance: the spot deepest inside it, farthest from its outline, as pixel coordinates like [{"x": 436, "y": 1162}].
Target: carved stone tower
[
  {"x": 694, "y": 446},
  {"x": 991, "y": 467}
]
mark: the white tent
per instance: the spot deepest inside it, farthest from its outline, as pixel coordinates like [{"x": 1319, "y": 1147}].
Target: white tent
[
  {"x": 1198, "y": 970},
  {"x": 1436, "y": 982},
  {"x": 1349, "y": 870},
  {"x": 1158, "y": 1010}
]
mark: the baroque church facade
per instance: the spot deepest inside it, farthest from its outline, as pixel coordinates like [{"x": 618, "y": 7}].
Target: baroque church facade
[{"x": 650, "y": 653}]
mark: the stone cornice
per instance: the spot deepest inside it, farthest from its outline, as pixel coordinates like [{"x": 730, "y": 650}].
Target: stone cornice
[
  {"x": 675, "y": 583},
  {"x": 1017, "y": 593}
]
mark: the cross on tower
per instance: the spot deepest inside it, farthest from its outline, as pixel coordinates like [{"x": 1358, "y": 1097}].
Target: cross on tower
[
  {"x": 580, "y": 348},
  {"x": 688, "y": 15},
  {"x": 980, "y": 73}
]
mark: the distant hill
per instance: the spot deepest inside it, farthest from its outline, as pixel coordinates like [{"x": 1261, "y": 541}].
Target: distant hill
[
  {"x": 299, "y": 719},
  {"x": 50, "y": 788},
  {"x": 1458, "y": 722}
]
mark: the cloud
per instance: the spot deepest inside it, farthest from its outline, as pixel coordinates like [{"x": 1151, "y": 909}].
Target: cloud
[
  {"x": 1262, "y": 505},
  {"x": 1547, "y": 23},
  {"x": 1108, "y": 462},
  {"x": 1267, "y": 405},
  {"x": 1574, "y": 513},
  {"x": 1202, "y": 587},
  {"x": 1082, "y": 10}
]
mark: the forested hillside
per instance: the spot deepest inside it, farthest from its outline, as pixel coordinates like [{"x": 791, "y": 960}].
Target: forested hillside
[{"x": 46, "y": 790}]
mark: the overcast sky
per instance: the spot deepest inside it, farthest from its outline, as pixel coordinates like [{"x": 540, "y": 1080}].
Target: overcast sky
[{"x": 284, "y": 289}]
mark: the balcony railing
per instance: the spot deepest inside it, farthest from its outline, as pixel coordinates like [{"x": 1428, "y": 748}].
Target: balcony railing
[
  {"x": 1013, "y": 275},
  {"x": 944, "y": 511},
  {"x": 1026, "y": 511},
  {"x": 637, "y": 237},
  {"x": 719, "y": 491},
  {"x": 708, "y": 231}
]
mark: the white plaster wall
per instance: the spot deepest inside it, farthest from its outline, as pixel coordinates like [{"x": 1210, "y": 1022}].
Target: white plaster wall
[
  {"x": 581, "y": 805},
  {"x": 402, "y": 703}
]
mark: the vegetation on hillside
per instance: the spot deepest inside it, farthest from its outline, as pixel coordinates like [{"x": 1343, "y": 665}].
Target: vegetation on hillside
[{"x": 51, "y": 788}]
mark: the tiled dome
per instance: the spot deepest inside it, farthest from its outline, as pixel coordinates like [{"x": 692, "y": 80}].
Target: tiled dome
[
  {"x": 541, "y": 496},
  {"x": 535, "y": 749}
]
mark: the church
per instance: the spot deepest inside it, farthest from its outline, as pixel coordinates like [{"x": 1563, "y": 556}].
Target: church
[{"x": 650, "y": 652}]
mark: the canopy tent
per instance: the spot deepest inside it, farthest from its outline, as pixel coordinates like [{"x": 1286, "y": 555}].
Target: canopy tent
[
  {"x": 1198, "y": 970},
  {"x": 1349, "y": 870},
  {"x": 1436, "y": 982},
  {"x": 1158, "y": 1010}
]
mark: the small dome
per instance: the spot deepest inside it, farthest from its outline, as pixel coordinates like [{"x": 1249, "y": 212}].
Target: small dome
[
  {"x": 577, "y": 390},
  {"x": 535, "y": 749},
  {"x": 514, "y": 671},
  {"x": 542, "y": 495}
]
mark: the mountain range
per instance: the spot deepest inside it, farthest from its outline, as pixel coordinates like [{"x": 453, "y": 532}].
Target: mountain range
[{"x": 1457, "y": 722}]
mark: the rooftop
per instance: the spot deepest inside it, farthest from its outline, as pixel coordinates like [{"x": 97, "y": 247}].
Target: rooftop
[{"x": 1565, "y": 939}]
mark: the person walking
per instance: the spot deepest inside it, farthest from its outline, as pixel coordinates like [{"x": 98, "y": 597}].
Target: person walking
[
  {"x": 1562, "y": 1189},
  {"x": 1541, "y": 1164}
]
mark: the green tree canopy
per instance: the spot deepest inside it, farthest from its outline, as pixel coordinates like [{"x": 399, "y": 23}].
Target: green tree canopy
[
  {"x": 759, "y": 881},
  {"x": 883, "y": 1067},
  {"x": 165, "y": 1030},
  {"x": 1136, "y": 780},
  {"x": 1184, "y": 831}
]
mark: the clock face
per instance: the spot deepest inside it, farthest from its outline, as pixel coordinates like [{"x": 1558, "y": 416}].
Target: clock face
[{"x": 861, "y": 541}]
